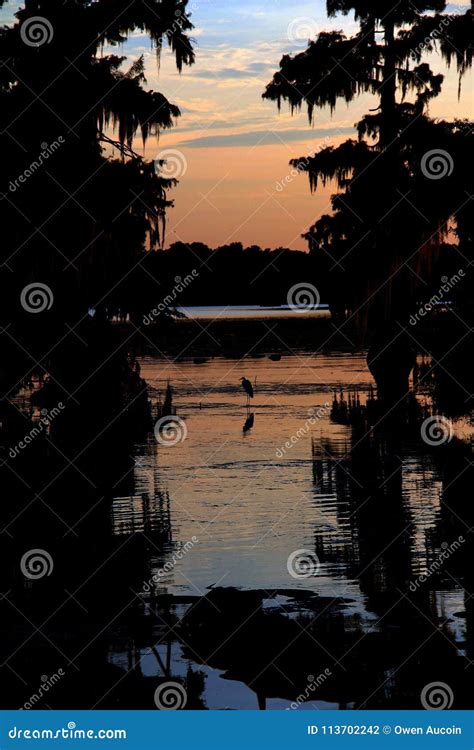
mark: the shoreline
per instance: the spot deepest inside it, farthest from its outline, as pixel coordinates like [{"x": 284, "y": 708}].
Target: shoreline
[{"x": 237, "y": 337}]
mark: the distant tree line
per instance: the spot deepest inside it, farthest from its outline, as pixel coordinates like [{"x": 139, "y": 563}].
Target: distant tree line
[
  {"x": 194, "y": 274},
  {"x": 188, "y": 274}
]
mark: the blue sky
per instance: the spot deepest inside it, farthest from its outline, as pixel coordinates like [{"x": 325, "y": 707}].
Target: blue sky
[{"x": 235, "y": 147}]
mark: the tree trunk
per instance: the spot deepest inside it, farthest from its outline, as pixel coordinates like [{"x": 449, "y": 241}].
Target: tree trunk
[{"x": 390, "y": 360}]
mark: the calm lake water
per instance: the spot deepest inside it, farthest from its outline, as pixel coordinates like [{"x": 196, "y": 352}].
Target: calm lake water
[
  {"x": 235, "y": 312},
  {"x": 250, "y": 502}
]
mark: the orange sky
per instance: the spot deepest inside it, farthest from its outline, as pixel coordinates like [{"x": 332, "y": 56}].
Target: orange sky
[{"x": 235, "y": 146}]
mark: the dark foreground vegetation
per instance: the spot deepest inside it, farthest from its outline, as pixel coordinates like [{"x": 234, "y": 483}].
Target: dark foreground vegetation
[{"x": 82, "y": 241}]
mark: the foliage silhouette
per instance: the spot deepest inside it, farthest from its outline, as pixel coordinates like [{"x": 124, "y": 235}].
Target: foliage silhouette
[
  {"x": 79, "y": 205},
  {"x": 389, "y": 217}
]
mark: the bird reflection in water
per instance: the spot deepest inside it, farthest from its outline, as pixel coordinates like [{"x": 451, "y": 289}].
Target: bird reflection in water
[
  {"x": 250, "y": 419},
  {"x": 248, "y": 424}
]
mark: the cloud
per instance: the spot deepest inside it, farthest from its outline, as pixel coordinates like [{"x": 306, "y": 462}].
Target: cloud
[
  {"x": 265, "y": 137},
  {"x": 248, "y": 71},
  {"x": 208, "y": 123},
  {"x": 7, "y": 14}
]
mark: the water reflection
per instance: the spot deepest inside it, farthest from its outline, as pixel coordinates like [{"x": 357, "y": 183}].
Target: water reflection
[
  {"x": 378, "y": 522},
  {"x": 249, "y": 422},
  {"x": 132, "y": 604},
  {"x": 149, "y": 515}
]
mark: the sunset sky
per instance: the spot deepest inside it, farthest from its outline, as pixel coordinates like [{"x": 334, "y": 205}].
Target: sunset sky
[{"x": 236, "y": 146}]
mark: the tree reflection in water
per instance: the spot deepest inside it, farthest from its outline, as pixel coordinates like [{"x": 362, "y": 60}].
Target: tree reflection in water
[{"x": 392, "y": 504}]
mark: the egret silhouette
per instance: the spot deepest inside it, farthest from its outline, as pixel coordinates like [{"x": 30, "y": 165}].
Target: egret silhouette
[{"x": 248, "y": 388}]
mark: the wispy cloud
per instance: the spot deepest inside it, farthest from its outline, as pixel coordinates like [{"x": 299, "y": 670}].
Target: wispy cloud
[
  {"x": 248, "y": 71},
  {"x": 265, "y": 137}
]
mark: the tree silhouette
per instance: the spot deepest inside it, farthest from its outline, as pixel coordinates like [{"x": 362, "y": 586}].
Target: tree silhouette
[
  {"x": 391, "y": 211},
  {"x": 79, "y": 204}
]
